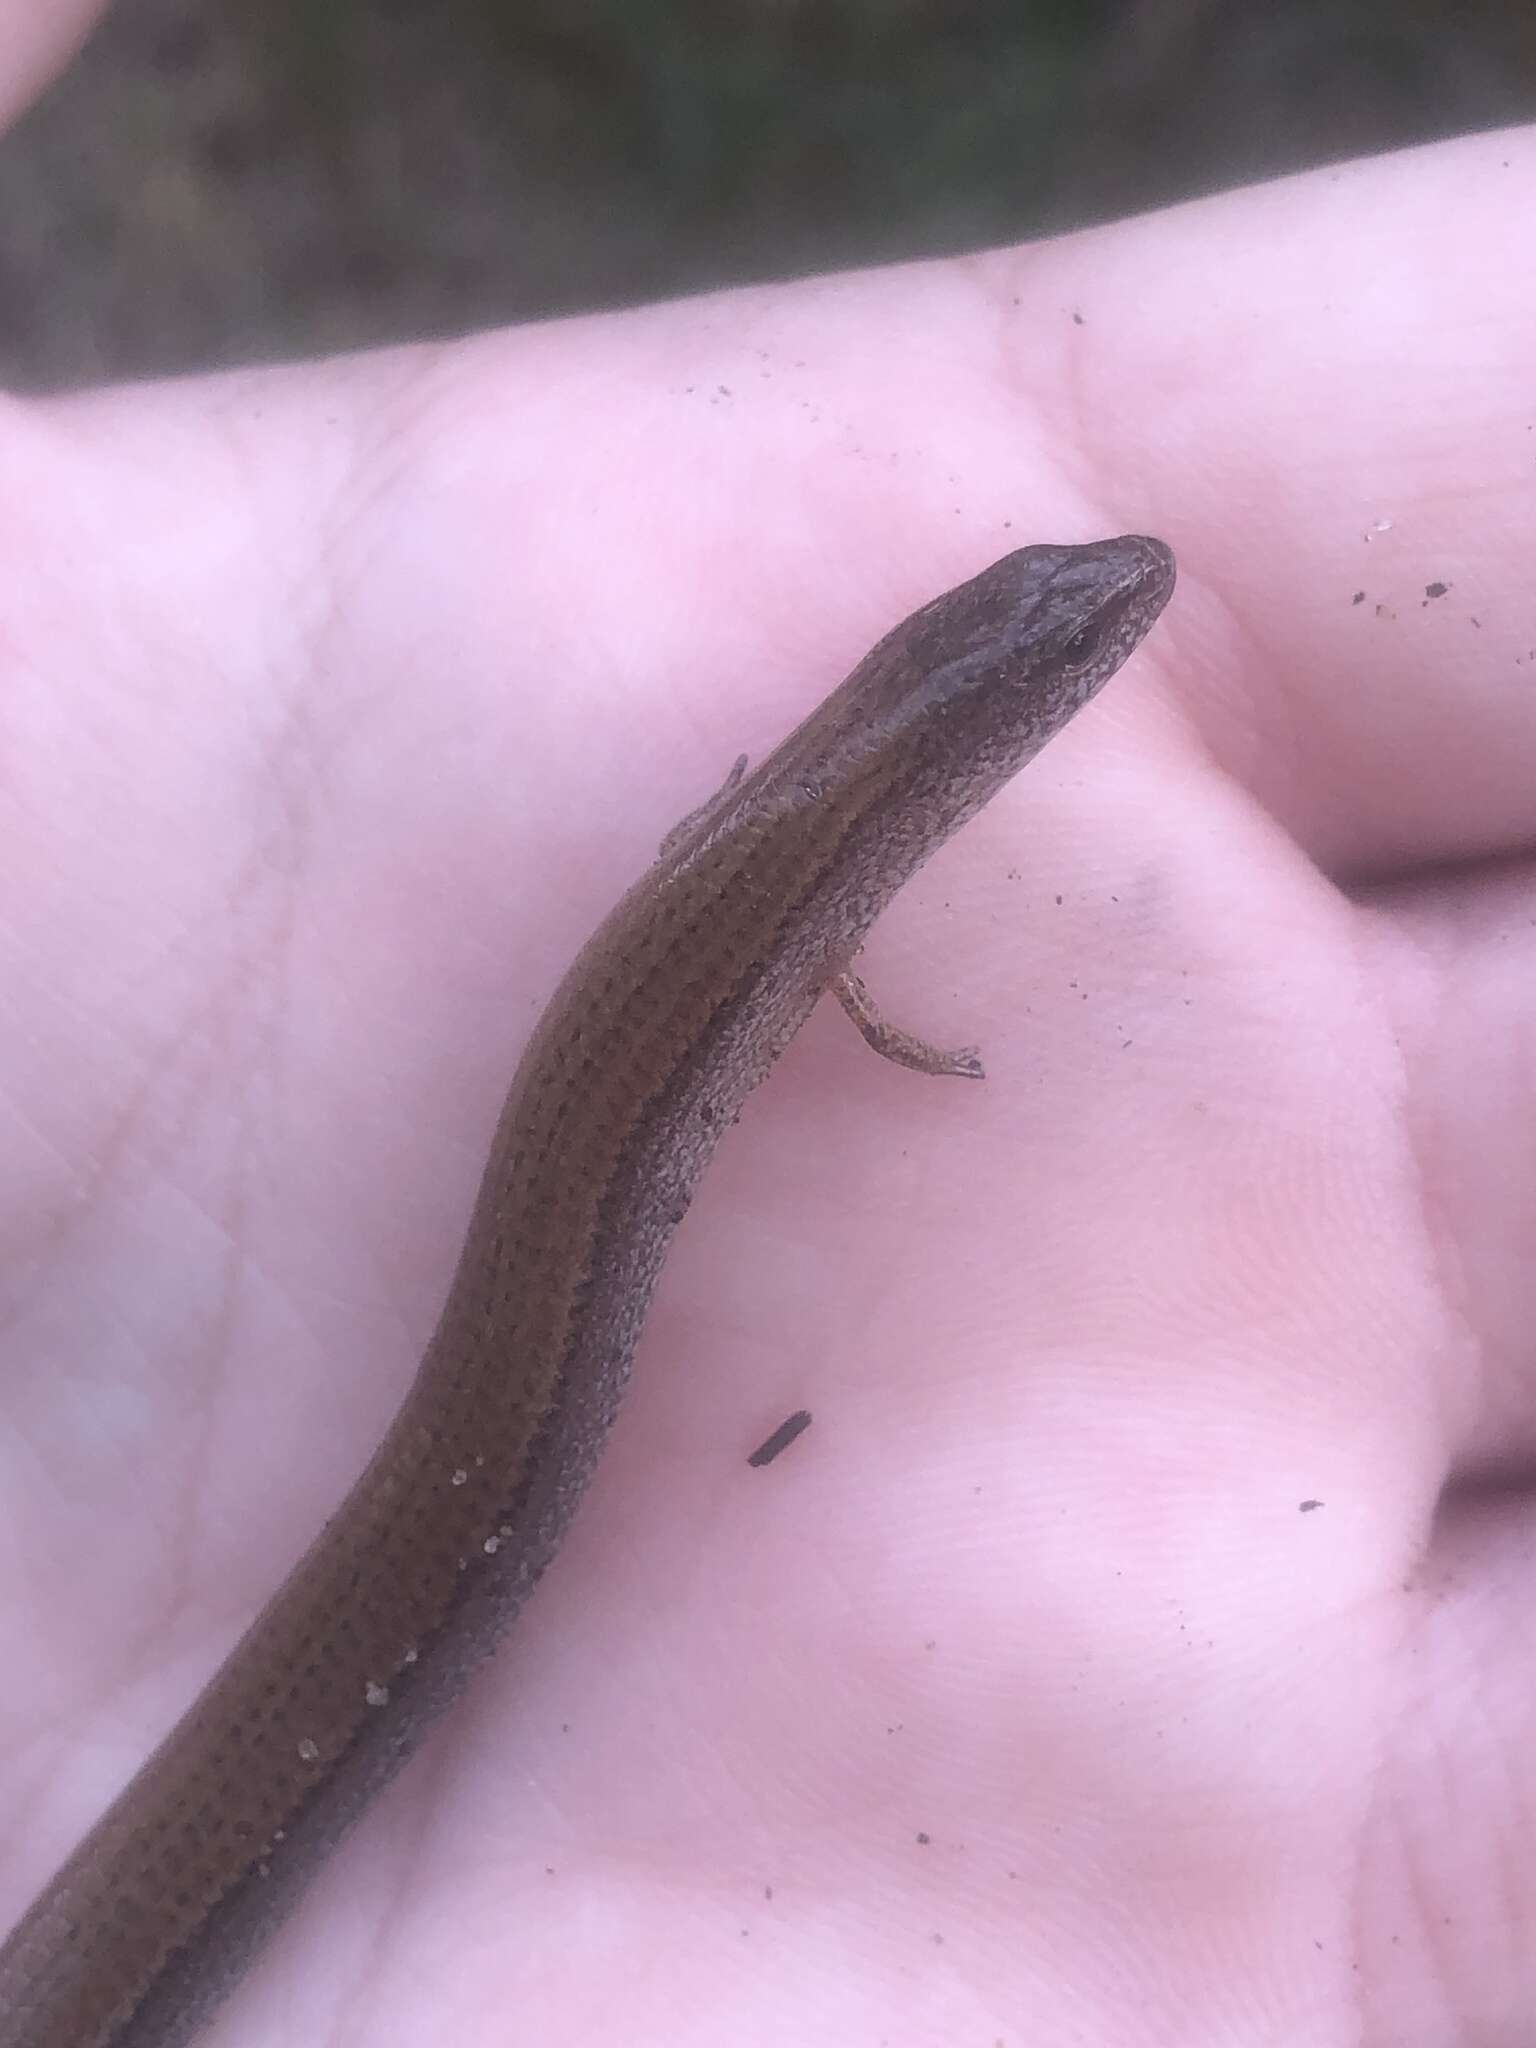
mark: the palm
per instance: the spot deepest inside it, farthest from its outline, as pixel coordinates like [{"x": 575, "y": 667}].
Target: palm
[{"x": 1023, "y": 1699}]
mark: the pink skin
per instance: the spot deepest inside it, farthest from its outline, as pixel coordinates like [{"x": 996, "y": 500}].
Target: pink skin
[
  {"x": 337, "y": 702},
  {"x": 35, "y": 45}
]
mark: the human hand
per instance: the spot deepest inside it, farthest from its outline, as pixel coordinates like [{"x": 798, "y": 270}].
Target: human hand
[{"x": 1023, "y": 1699}]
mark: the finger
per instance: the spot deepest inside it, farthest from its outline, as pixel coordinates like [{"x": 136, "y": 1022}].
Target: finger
[
  {"x": 1336, "y": 433},
  {"x": 1456, "y": 957},
  {"x": 1339, "y": 445},
  {"x": 1447, "y": 1882},
  {"x": 35, "y": 45}
]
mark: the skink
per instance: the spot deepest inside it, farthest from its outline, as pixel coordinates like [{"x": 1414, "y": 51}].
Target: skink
[{"x": 673, "y": 1011}]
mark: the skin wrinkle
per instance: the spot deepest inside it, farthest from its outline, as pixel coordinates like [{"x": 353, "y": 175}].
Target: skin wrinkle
[
  {"x": 1078, "y": 425},
  {"x": 1444, "y": 1255}
]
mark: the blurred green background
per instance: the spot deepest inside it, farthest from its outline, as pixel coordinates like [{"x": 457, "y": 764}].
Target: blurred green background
[{"x": 240, "y": 179}]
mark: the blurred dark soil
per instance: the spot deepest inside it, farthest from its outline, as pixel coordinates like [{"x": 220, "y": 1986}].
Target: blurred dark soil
[{"x": 222, "y": 180}]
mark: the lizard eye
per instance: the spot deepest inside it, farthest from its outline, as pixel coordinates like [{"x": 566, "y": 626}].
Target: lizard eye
[{"x": 1084, "y": 645}]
